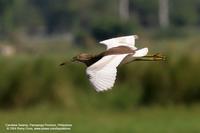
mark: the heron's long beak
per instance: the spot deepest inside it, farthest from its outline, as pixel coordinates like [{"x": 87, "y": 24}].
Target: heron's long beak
[
  {"x": 74, "y": 59},
  {"x": 62, "y": 64}
]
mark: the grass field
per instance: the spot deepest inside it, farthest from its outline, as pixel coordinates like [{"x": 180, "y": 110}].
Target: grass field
[
  {"x": 142, "y": 120},
  {"x": 128, "y": 108}
]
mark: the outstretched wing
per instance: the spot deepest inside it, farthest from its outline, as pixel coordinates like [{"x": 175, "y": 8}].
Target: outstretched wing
[
  {"x": 102, "y": 74},
  {"x": 121, "y": 41}
]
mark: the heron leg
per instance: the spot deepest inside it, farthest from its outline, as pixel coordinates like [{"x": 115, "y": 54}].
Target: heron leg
[{"x": 155, "y": 57}]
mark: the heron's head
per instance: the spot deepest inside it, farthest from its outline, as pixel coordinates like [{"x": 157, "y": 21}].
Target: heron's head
[{"x": 82, "y": 57}]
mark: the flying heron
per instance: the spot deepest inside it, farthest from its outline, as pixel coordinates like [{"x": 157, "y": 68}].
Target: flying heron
[{"x": 102, "y": 68}]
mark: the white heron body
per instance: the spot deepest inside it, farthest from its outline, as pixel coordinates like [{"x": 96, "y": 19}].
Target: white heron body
[{"x": 102, "y": 74}]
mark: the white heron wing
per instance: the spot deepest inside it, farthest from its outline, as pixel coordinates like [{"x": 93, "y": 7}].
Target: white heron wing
[
  {"x": 121, "y": 41},
  {"x": 102, "y": 74},
  {"x": 141, "y": 52}
]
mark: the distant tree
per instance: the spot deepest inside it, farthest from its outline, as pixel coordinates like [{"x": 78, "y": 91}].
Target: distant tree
[
  {"x": 124, "y": 9},
  {"x": 164, "y": 13},
  {"x": 5, "y": 15},
  {"x": 184, "y": 12},
  {"x": 4, "y": 4}
]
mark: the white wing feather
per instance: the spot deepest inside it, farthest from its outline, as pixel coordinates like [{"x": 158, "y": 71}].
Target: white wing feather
[
  {"x": 102, "y": 74},
  {"x": 141, "y": 52},
  {"x": 121, "y": 41}
]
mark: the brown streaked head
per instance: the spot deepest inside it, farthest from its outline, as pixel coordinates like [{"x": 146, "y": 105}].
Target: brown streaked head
[{"x": 82, "y": 57}]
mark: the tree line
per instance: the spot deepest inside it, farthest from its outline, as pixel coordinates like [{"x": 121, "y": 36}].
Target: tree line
[{"x": 61, "y": 16}]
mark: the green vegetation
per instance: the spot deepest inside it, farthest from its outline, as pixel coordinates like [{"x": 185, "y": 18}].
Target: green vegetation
[
  {"x": 140, "y": 120},
  {"x": 27, "y": 80},
  {"x": 152, "y": 97}
]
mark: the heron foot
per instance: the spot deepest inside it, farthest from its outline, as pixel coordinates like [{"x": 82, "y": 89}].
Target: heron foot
[{"x": 159, "y": 56}]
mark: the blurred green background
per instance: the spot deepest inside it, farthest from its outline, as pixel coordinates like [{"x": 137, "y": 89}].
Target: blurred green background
[{"x": 148, "y": 97}]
